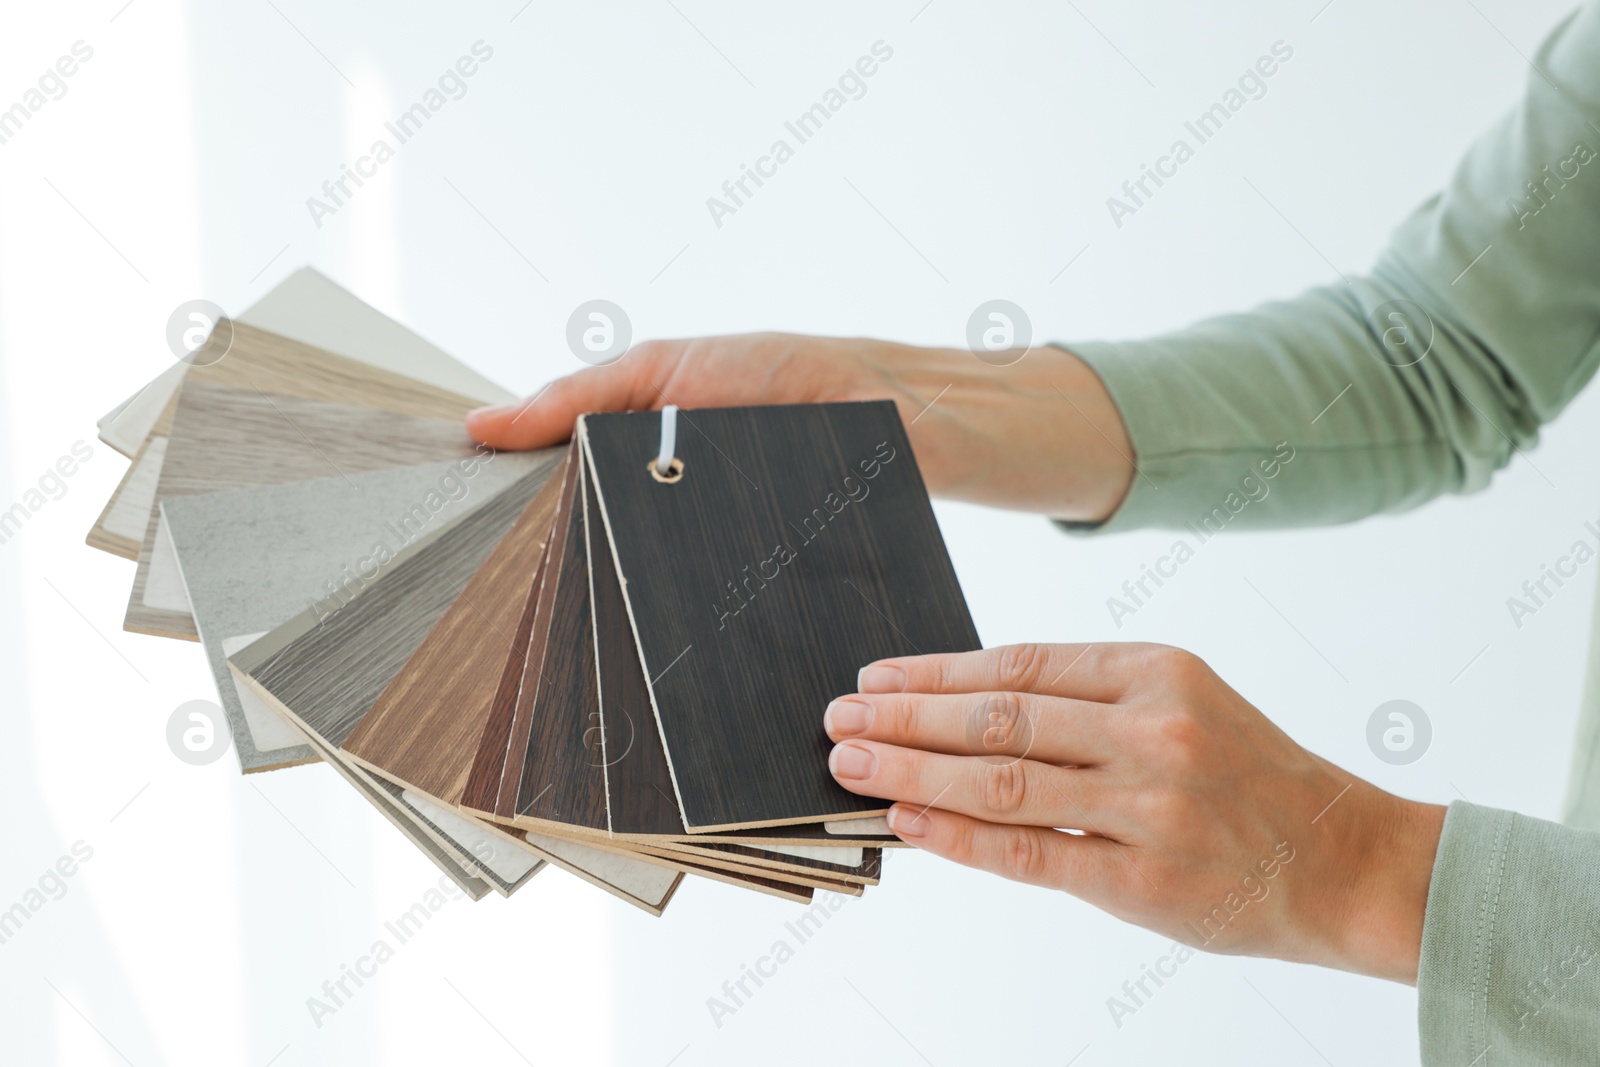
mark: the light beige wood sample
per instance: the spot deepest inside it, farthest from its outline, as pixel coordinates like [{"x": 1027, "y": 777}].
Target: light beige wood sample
[
  {"x": 280, "y": 366},
  {"x": 311, "y": 308}
]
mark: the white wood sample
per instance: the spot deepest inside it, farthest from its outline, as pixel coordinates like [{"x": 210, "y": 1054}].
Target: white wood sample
[{"x": 510, "y": 864}]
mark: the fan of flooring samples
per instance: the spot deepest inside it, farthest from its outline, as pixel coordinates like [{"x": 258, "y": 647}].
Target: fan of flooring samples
[{"x": 611, "y": 656}]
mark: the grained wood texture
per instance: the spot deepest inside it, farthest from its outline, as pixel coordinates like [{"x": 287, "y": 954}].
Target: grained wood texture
[
  {"x": 312, "y": 309},
  {"x": 799, "y": 545},
  {"x": 867, "y": 872},
  {"x": 325, "y": 673},
  {"x": 482, "y": 786},
  {"x": 271, "y": 363},
  {"x": 225, "y": 438},
  {"x": 330, "y": 671},
  {"x": 468, "y": 854},
  {"x": 255, "y": 558},
  {"x": 761, "y": 883},
  {"x": 425, "y": 728},
  {"x": 260, "y": 361},
  {"x": 638, "y": 783},
  {"x": 563, "y": 780},
  {"x": 491, "y": 788}
]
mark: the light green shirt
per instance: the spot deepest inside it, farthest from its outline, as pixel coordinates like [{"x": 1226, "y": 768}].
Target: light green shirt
[{"x": 1479, "y": 323}]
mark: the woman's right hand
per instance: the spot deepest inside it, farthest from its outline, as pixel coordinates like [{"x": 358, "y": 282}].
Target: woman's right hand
[{"x": 1039, "y": 435}]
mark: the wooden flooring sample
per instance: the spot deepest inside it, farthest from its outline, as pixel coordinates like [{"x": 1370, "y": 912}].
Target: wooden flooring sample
[
  {"x": 268, "y": 363},
  {"x": 562, "y": 780},
  {"x": 252, "y": 559},
  {"x": 224, "y": 438},
  {"x": 481, "y": 791},
  {"x": 798, "y": 545},
  {"x": 560, "y": 787},
  {"x": 506, "y": 861},
  {"x": 298, "y": 670},
  {"x": 120, "y": 529},
  {"x": 647, "y": 886},
  {"x": 311, "y": 309},
  {"x": 638, "y": 783},
  {"x": 329, "y": 670}
]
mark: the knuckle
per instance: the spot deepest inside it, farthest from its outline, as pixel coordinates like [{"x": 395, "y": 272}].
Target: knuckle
[
  {"x": 1003, "y": 785},
  {"x": 901, "y": 772},
  {"x": 1000, "y": 724},
  {"x": 894, "y": 718},
  {"x": 1178, "y": 731},
  {"x": 652, "y": 351},
  {"x": 1163, "y": 669},
  {"x": 1023, "y": 857},
  {"x": 1022, "y": 666},
  {"x": 1179, "y": 664},
  {"x": 1164, "y": 811}
]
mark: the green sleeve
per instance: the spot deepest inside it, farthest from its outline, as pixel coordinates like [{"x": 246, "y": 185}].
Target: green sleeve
[
  {"x": 1480, "y": 321},
  {"x": 1510, "y": 969}
]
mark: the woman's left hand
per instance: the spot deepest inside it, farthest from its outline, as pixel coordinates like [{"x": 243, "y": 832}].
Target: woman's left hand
[{"x": 1196, "y": 816}]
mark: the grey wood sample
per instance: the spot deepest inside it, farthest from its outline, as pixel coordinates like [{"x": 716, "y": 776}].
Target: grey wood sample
[
  {"x": 798, "y": 546},
  {"x": 252, "y": 559},
  {"x": 224, "y": 438},
  {"x": 329, "y": 668},
  {"x": 322, "y": 707}
]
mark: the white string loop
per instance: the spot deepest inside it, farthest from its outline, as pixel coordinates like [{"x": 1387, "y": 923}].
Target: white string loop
[{"x": 669, "y": 439}]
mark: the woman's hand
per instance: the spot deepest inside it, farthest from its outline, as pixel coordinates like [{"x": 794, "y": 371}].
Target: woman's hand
[
  {"x": 1039, "y": 435},
  {"x": 1200, "y": 819}
]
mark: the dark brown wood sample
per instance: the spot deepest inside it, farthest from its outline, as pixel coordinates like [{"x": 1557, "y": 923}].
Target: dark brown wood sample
[
  {"x": 639, "y": 798},
  {"x": 798, "y": 546},
  {"x": 563, "y": 778},
  {"x": 639, "y": 784}
]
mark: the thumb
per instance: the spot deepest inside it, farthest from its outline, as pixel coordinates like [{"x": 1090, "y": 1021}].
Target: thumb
[{"x": 547, "y": 417}]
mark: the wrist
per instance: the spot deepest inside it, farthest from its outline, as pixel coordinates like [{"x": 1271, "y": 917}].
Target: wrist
[
  {"x": 1387, "y": 846},
  {"x": 1041, "y": 434}
]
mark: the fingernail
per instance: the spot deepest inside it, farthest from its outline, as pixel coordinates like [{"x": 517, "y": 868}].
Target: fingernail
[
  {"x": 881, "y": 678},
  {"x": 846, "y": 717},
  {"x": 907, "y": 823},
  {"x": 852, "y": 761}
]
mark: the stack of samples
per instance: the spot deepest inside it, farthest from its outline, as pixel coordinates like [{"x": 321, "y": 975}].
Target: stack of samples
[{"x": 611, "y": 656}]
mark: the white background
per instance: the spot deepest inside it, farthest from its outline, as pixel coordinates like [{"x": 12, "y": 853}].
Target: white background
[{"x": 181, "y": 159}]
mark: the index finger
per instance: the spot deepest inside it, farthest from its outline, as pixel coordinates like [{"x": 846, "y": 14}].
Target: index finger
[
  {"x": 1084, "y": 672},
  {"x": 546, "y": 418}
]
